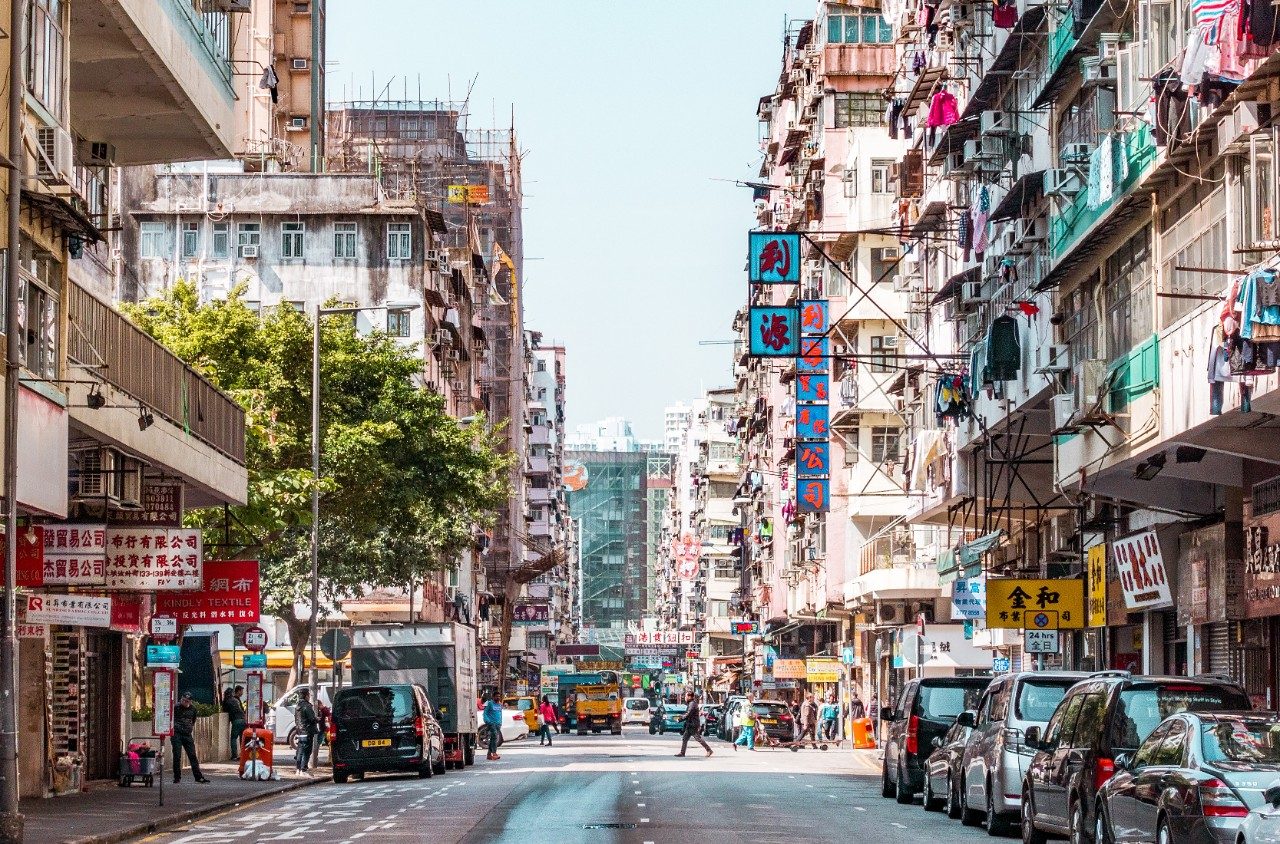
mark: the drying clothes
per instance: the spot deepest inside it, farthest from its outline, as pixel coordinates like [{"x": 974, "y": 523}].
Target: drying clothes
[
  {"x": 1004, "y": 15},
  {"x": 1008, "y": 271},
  {"x": 1253, "y": 310},
  {"x": 1212, "y": 91},
  {"x": 1004, "y": 349},
  {"x": 1263, "y": 27},
  {"x": 1211, "y": 14},
  {"x": 951, "y": 398},
  {"x": 1195, "y": 57},
  {"x": 893, "y": 114},
  {"x": 917, "y": 63},
  {"x": 981, "y": 213},
  {"x": 978, "y": 374},
  {"x": 1173, "y": 113},
  {"x": 943, "y": 110},
  {"x": 964, "y": 232}
]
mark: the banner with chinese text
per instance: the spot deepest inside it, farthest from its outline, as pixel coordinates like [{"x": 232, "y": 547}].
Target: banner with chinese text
[
  {"x": 153, "y": 559},
  {"x": 75, "y": 554},
  {"x": 230, "y": 595}
]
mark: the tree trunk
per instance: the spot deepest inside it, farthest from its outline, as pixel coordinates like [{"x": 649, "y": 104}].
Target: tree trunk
[
  {"x": 298, "y": 630},
  {"x": 509, "y": 592}
]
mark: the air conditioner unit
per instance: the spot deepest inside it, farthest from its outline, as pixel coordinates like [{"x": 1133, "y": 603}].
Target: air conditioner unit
[
  {"x": 93, "y": 473},
  {"x": 889, "y": 342},
  {"x": 885, "y": 253},
  {"x": 1053, "y": 358},
  {"x": 1076, "y": 154},
  {"x": 1061, "y": 183},
  {"x": 433, "y": 256},
  {"x": 1092, "y": 380},
  {"x": 1064, "y": 411},
  {"x": 300, "y": 64},
  {"x": 442, "y": 264},
  {"x": 1032, "y": 230},
  {"x": 96, "y": 153},
  {"x": 995, "y": 123},
  {"x": 889, "y": 613},
  {"x": 971, "y": 293},
  {"x": 129, "y": 485},
  {"x": 442, "y": 337},
  {"x": 455, "y": 354},
  {"x": 56, "y": 155},
  {"x": 249, "y": 250},
  {"x": 459, "y": 386},
  {"x": 1098, "y": 71}
]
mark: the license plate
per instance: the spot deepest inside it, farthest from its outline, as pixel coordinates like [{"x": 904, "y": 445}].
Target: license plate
[
  {"x": 768, "y": 720},
  {"x": 376, "y": 742}
]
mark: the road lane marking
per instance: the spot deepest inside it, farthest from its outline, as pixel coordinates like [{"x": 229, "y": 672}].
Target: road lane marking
[
  {"x": 898, "y": 825},
  {"x": 859, "y": 809},
  {"x": 644, "y": 820}
]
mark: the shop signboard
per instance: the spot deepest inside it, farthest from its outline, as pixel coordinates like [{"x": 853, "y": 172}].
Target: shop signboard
[
  {"x": 161, "y": 507},
  {"x": 30, "y": 556},
  {"x": 773, "y": 257},
  {"x": 71, "y": 610},
  {"x": 968, "y": 598},
  {"x": 1096, "y": 577},
  {"x": 1016, "y": 603},
  {"x": 821, "y": 670},
  {"x": 1261, "y": 567},
  {"x": 789, "y": 669},
  {"x": 127, "y": 612},
  {"x": 775, "y": 332},
  {"x": 661, "y": 637},
  {"x": 26, "y": 629},
  {"x": 230, "y": 595},
  {"x": 145, "y": 559},
  {"x": 1143, "y": 574},
  {"x": 75, "y": 554}
]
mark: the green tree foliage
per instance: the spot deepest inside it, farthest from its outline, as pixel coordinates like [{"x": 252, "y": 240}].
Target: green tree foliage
[{"x": 403, "y": 484}]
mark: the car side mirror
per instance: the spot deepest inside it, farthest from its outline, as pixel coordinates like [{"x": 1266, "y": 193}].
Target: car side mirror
[
  {"x": 887, "y": 714},
  {"x": 1272, "y": 795},
  {"x": 1031, "y": 738},
  {"x": 937, "y": 741},
  {"x": 1123, "y": 762},
  {"x": 968, "y": 718}
]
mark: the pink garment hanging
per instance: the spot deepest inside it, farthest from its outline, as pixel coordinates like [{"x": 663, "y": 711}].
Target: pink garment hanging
[
  {"x": 1004, "y": 15},
  {"x": 942, "y": 110}
]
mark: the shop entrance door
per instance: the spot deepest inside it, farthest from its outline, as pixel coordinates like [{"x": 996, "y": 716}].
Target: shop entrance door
[{"x": 104, "y": 662}]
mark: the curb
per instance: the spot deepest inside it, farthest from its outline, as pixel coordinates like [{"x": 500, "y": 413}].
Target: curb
[{"x": 170, "y": 821}]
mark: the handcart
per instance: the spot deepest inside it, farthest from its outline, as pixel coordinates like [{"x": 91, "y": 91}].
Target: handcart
[{"x": 140, "y": 761}]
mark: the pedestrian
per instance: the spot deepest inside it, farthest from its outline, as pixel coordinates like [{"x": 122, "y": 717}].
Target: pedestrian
[
  {"x": 234, "y": 707},
  {"x": 183, "y": 738},
  {"x": 857, "y": 709},
  {"x": 808, "y": 720},
  {"x": 830, "y": 718},
  {"x": 795, "y": 721},
  {"x": 747, "y": 721},
  {"x": 308, "y": 724},
  {"x": 323, "y": 713},
  {"x": 559, "y": 713},
  {"x": 546, "y": 717},
  {"x": 493, "y": 720},
  {"x": 692, "y": 726}
]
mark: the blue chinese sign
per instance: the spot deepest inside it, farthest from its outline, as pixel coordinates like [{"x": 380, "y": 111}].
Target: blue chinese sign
[
  {"x": 258, "y": 660},
  {"x": 813, "y": 460},
  {"x": 775, "y": 332},
  {"x": 812, "y": 422},
  {"x": 812, "y": 389},
  {"x": 812, "y": 495},
  {"x": 163, "y": 656},
  {"x": 814, "y": 316},
  {"x": 774, "y": 257},
  {"x": 813, "y": 354}
]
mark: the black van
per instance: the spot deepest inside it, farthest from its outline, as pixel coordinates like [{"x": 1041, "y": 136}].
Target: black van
[
  {"x": 926, "y": 710},
  {"x": 385, "y": 728}
]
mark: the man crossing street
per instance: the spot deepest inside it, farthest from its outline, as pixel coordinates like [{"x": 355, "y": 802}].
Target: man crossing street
[{"x": 693, "y": 725}]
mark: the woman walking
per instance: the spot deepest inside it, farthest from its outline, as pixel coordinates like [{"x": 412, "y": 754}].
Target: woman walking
[{"x": 546, "y": 717}]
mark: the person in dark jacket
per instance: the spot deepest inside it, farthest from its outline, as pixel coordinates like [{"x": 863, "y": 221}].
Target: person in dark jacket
[
  {"x": 692, "y": 726},
  {"x": 234, "y": 707},
  {"x": 183, "y": 738},
  {"x": 304, "y": 715}
]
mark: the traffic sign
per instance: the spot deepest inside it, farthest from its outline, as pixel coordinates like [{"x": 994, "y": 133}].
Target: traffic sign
[
  {"x": 920, "y": 623},
  {"x": 253, "y": 660},
  {"x": 164, "y": 628},
  {"x": 163, "y": 656},
  {"x": 335, "y": 644},
  {"x": 255, "y": 639},
  {"x": 1041, "y": 641}
]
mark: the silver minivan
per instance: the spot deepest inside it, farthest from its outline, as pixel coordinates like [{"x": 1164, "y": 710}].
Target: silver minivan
[{"x": 996, "y": 758}]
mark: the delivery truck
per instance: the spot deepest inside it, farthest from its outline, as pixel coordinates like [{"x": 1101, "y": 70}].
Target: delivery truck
[{"x": 441, "y": 657}]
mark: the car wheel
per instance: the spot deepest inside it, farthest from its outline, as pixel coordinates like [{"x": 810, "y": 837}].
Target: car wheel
[
  {"x": 1079, "y": 835},
  {"x": 995, "y": 825},
  {"x": 468, "y": 754},
  {"x": 887, "y": 789},
  {"x": 662, "y": 731},
  {"x": 968, "y": 817},
  {"x": 440, "y": 767},
  {"x": 953, "y": 800},
  {"x": 1101, "y": 834},
  {"x": 932, "y": 803},
  {"x": 905, "y": 795},
  {"x": 1163, "y": 836},
  {"x": 339, "y": 777},
  {"x": 358, "y": 776},
  {"x": 292, "y": 739},
  {"x": 426, "y": 771},
  {"x": 1030, "y": 835}
]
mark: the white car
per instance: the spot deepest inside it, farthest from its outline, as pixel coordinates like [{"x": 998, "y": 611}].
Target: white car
[
  {"x": 635, "y": 710},
  {"x": 1262, "y": 825},
  {"x": 280, "y": 714},
  {"x": 514, "y": 726}
]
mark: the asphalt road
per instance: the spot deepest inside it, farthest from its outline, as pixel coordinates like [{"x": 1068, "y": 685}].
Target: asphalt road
[{"x": 600, "y": 789}]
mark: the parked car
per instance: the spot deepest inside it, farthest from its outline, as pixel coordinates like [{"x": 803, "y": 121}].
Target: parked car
[
  {"x": 528, "y": 707},
  {"x": 635, "y": 710},
  {"x": 279, "y": 718},
  {"x": 711, "y": 718},
  {"x": 514, "y": 726},
  {"x": 1100, "y": 718},
  {"x": 1262, "y": 825},
  {"x": 942, "y": 768},
  {"x": 996, "y": 759},
  {"x": 668, "y": 717},
  {"x": 385, "y": 728},
  {"x": 1193, "y": 781},
  {"x": 926, "y": 710}
]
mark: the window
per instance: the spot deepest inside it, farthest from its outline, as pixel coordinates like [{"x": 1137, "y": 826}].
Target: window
[
  {"x": 850, "y": 182},
  {"x": 248, "y": 237},
  {"x": 885, "y": 442},
  {"x": 856, "y": 108},
  {"x": 221, "y": 240},
  {"x": 726, "y": 568},
  {"x": 1037, "y": 699},
  {"x": 302, "y": 8},
  {"x": 1128, "y": 296},
  {"x": 39, "y": 317},
  {"x": 344, "y": 240},
  {"x": 719, "y": 609},
  {"x": 190, "y": 240},
  {"x": 1146, "y": 754},
  {"x": 292, "y": 237},
  {"x": 1093, "y": 712},
  {"x": 300, "y": 64},
  {"x": 297, "y": 122},
  {"x": 857, "y": 26},
  {"x": 1173, "y": 747},
  {"x": 46, "y": 47},
  {"x": 399, "y": 241},
  {"x": 880, "y": 169},
  {"x": 398, "y": 323},
  {"x": 1062, "y": 725},
  {"x": 151, "y": 240},
  {"x": 884, "y": 353},
  {"x": 536, "y": 641}
]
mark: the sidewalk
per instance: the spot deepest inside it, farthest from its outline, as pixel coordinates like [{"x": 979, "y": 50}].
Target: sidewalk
[{"x": 107, "y": 813}]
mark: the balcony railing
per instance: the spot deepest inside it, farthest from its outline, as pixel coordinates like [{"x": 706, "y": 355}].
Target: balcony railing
[{"x": 128, "y": 358}]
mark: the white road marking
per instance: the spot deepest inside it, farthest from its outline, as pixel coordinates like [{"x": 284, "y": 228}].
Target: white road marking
[
  {"x": 641, "y": 805},
  {"x": 898, "y": 825},
  {"x": 859, "y": 809},
  {"x": 644, "y": 820},
  {"x": 637, "y": 792}
]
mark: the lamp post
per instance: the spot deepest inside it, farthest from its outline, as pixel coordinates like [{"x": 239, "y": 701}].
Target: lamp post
[{"x": 315, "y": 470}]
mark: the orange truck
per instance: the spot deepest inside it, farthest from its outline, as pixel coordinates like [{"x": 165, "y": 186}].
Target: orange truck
[{"x": 599, "y": 705}]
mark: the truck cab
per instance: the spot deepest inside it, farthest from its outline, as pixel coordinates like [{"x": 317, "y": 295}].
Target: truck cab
[{"x": 598, "y": 706}]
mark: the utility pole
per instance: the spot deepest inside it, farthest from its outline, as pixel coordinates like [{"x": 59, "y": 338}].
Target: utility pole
[{"x": 10, "y": 817}]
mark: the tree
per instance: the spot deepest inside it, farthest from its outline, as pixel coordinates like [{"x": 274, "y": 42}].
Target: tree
[{"x": 403, "y": 484}]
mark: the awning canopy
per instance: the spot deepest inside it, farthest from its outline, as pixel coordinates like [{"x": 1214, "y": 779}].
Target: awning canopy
[
  {"x": 1010, "y": 56},
  {"x": 924, "y": 85},
  {"x": 64, "y": 213},
  {"x": 952, "y": 285},
  {"x": 1025, "y": 192}
]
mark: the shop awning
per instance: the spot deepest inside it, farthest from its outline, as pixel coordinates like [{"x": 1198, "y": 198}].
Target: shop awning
[
  {"x": 278, "y": 659},
  {"x": 1025, "y": 192},
  {"x": 923, "y": 87}
]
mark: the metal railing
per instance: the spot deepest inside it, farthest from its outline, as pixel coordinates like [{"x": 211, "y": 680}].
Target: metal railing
[{"x": 128, "y": 358}]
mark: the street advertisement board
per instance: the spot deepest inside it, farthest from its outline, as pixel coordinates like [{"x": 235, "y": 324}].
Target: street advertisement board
[
  {"x": 968, "y": 598},
  {"x": 162, "y": 691},
  {"x": 1096, "y": 577},
  {"x": 75, "y": 554},
  {"x": 1019, "y": 603},
  {"x": 1143, "y": 574},
  {"x": 253, "y": 699},
  {"x": 144, "y": 559},
  {"x": 71, "y": 610},
  {"x": 789, "y": 669},
  {"x": 820, "y": 670},
  {"x": 229, "y": 595},
  {"x": 30, "y": 556}
]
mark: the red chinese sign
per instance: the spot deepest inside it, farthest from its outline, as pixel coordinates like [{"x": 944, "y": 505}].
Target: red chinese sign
[
  {"x": 813, "y": 460},
  {"x": 230, "y": 595},
  {"x": 153, "y": 559},
  {"x": 30, "y": 556},
  {"x": 75, "y": 554},
  {"x": 127, "y": 612},
  {"x": 811, "y": 495}
]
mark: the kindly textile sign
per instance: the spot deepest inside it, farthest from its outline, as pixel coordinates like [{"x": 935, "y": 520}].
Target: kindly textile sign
[
  {"x": 154, "y": 559},
  {"x": 229, "y": 595},
  {"x": 71, "y": 610},
  {"x": 1143, "y": 574}
]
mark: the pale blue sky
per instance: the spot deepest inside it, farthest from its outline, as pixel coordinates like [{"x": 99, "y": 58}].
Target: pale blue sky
[{"x": 627, "y": 111}]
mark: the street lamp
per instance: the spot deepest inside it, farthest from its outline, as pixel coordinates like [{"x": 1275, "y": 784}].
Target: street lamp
[{"x": 315, "y": 469}]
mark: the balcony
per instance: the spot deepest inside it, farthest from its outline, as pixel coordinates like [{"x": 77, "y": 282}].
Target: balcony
[
  {"x": 859, "y": 59},
  {"x": 152, "y": 78}
]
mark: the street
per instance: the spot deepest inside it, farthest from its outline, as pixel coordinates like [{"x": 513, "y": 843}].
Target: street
[{"x": 599, "y": 788}]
